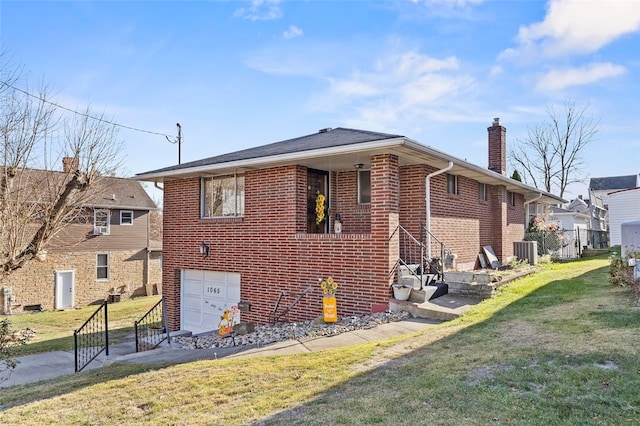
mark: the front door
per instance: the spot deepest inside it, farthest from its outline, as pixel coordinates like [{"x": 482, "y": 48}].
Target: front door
[
  {"x": 317, "y": 202},
  {"x": 65, "y": 289}
]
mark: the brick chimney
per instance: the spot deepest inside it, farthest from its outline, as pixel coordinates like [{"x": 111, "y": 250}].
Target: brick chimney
[
  {"x": 70, "y": 164},
  {"x": 497, "y": 147}
]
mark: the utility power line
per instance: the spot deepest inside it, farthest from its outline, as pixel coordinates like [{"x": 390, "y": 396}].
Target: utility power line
[{"x": 94, "y": 117}]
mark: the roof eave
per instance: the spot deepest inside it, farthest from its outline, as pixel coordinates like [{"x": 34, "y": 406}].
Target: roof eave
[
  {"x": 399, "y": 143},
  {"x": 272, "y": 160}
]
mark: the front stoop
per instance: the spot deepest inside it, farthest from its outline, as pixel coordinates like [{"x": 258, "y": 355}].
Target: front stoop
[{"x": 444, "y": 308}]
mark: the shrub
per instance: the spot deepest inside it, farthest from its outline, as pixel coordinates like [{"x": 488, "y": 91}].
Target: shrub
[
  {"x": 8, "y": 341},
  {"x": 621, "y": 274}
]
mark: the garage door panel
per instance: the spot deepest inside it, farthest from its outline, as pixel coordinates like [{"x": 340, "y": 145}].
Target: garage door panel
[
  {"x": 190, "y": 274},
  {"x": 192, "y": 303},
  {"x": 233, "y": 279},
  {"x": 215, "y": 307},
  {"x": 191, "y": 318},
  {"x": 205, "y": 297},
  {"x": 210, "y": 322},
  {"x": 192, "y": 288},
  {"x": 233, "y": 294},
  {"x": 215, "y": 277}
]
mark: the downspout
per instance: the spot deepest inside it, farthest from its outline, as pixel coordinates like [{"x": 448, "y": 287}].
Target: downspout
[{"x": 427, "y": 198}]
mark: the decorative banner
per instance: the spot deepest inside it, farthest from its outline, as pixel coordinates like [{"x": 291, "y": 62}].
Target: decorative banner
[
  {"x": 227, "y": 321},
  {"x": 329, "y": 309}
]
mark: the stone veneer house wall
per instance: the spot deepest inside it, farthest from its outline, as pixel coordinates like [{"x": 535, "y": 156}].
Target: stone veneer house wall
[{"x": 241, "y": 227}]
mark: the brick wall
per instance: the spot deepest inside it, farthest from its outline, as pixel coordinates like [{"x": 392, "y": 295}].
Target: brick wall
[
  {"x": 356, "y": 217},
  {"x": 462, "y": 221},
  {"x": 271, "y": 250},
  {"x": 35, "y": 283}
]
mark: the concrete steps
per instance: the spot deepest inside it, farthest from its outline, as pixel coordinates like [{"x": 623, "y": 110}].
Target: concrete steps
[
  {"x": 465, "y": 290},
  {"x": 443, "y": 308}
]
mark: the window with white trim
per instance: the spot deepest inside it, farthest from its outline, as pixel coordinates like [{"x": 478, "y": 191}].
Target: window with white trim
[
  {"x": 102, "y": 267},
  {"x": 126, "y": 217},
  {"x": 101, "y": 221},
  {"x": 223, "y": 196},
  {"x": 364, "y": 186},
  {"x": 452, "y": 184}
]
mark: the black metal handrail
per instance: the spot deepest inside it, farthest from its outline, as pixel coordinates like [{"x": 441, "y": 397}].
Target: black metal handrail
[
  {"x": 278, "y": 313},
  {"x": 413, "y": 254},
  {"x": 436, "y": 265},
  {"x": 91, "y": 338},
  {"x": 152, "y": 329}
]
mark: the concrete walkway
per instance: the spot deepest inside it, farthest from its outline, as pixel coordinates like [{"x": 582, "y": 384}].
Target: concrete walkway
[{"x": 34, "y": 368}]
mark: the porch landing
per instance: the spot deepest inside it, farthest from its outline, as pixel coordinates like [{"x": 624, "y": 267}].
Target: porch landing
[{"x": 443, "y": 308}]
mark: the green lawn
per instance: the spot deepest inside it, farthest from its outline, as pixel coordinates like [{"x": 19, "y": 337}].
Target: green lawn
[
  {"x": 559, "y": 347},
  {"x": 54, "y": 330}
]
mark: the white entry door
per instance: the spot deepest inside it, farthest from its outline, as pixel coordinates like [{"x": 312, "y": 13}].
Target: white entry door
[
  {"x": 205, "y": 295},
  {"x": 65, "y": 289}
]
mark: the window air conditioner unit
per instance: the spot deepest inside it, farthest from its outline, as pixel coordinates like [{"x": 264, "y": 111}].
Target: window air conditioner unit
[{"x": 101, "y": 230}]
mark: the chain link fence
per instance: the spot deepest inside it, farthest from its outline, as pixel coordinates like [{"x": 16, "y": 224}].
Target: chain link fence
[{"x": 564, "y": 244}]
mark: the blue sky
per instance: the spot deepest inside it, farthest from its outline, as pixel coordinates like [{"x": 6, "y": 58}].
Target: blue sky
[{"x": 239, "y": 74}]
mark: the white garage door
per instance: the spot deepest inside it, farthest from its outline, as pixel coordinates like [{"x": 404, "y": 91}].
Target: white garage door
[{"x": 205, "y": 297}]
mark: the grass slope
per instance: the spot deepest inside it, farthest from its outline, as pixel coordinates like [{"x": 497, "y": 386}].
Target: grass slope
[
  {"x": 54, "y": 329},
  {"x": 559, "y": 347}
]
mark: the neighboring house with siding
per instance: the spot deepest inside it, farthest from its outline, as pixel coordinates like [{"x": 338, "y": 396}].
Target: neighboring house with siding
[
  {"x": 599, "y": 189},
  {"x": 574, "y": 225},
  {"x": 245, "y": 226},
  {"x": 624, "y": 206},
  {"x": 106, "y": 251}
]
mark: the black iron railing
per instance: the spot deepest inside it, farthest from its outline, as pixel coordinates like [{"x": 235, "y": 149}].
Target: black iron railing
[
  {"x": 91, "y": 338},
  {"x": 152, "y": 329},
  {"x": 415, "y": 256},
  {"x": 280, "y": 312}
]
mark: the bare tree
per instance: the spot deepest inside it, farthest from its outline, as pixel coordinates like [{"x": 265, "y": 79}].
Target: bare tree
[
  {"x": 550, "y": 157},
  {"x": 37, "y": 202}
]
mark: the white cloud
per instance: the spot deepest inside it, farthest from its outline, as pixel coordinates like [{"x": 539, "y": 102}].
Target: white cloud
[
  {"x": 448, "y": 3},
  {"x": 431, "y": 88},
  {"x": 292, "y": 32},
  {"x": 260, "y": 10},
  {"x": 352, "y": 88},
  {"x": 496, "y": 70},
  {"x": 564, "y": 77},
  {"x": 399, "y": 88},
  {"x": 577, "y": 27},
  {"x": 415, "y": 64}
]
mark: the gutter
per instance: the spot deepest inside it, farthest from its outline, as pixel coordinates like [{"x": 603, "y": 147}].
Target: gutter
[{"x": 427, "y": 198}]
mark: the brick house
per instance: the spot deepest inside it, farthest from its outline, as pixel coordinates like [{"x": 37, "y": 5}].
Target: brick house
[
  {"x": 106, "y": 251},
  {"x": 244, "y": 226}
]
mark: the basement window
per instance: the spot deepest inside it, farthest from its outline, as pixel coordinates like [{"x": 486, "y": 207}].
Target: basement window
[
  {"x": 482, "y": 192},
  {"x": 452, "y": 184},
  {"x": 364, "y": 186}
]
